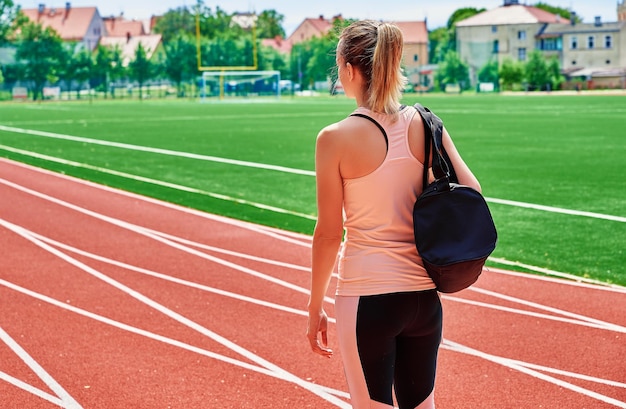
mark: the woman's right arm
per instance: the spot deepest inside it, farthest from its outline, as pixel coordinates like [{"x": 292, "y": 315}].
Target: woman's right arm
[
  {"x": 328, "y": 233},
  {"x": 463, "y": 172}
]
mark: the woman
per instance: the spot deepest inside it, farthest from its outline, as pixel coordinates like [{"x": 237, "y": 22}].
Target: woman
[{"x": 387, "y": 309}]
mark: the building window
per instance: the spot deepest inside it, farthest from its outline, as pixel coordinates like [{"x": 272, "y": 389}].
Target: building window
[
  {"x": 608, "y": 41},
  {"x": 574, "y": 42},
  {"x": 415, "y": 57},
  {"x": 608, "y": 62},
  {"x": 521, "y": 35},
  {"x": 521, "y": 54},
  {"x": 496, "y": 46},
  {"x": 574, "y": 62},
  {"x": 549, "y": 44},
  {"x": 591, "y": 42},
  {"x": 494, "y": 29}
]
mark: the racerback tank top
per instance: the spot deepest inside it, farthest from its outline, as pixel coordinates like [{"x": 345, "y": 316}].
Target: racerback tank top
[{"x": 378, "y": 255}]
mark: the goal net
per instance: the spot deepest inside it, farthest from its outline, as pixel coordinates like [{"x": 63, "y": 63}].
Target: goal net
[{"x": 242, "y": 84}]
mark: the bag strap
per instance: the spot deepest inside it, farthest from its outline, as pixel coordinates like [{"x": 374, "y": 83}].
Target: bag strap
[
  {"x": 433, "y": 136},
  {"x": 375, "y": 123}
]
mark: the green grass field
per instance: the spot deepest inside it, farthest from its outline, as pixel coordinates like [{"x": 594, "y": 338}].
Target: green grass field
[{"x": 564, "y": 152}]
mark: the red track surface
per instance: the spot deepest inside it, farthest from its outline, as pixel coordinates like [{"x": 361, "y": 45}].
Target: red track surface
[{"x": 112, "y": 300}]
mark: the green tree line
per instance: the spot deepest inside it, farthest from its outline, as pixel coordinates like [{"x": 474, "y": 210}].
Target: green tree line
[{"x": 43, "y": 58}]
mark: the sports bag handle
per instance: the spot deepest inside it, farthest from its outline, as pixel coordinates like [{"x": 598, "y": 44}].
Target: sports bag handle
[{"x": 433, "y": 136}]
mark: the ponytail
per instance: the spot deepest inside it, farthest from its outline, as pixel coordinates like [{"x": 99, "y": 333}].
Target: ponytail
[
  {"x": 375, "y": 48},
  {"x": 388, "y": 81}
]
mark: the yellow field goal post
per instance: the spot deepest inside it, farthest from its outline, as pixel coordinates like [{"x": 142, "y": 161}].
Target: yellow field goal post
[{"x": 237, "y": 80}]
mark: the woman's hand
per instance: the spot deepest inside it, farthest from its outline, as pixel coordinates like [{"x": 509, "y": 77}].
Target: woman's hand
[{"x": 318, "y": 323}]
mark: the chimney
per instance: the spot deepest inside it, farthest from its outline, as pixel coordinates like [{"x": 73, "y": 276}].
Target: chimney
[
  {"x": 572, "y": 18},
  {"x": 598, "y": 21},
  {"x": 321, "y": 17},
  {"x": 68, "y": 6},
  {"x": 41, "y": 8}
]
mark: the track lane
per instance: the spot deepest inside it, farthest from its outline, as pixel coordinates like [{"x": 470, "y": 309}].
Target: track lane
[{"x": 274, "y": 334}]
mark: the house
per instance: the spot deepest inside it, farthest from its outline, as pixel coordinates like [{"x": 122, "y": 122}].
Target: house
[
  {"x": 514, "y": 30},
  {"x": 589, "y": 51},
  {"x": 79, "y": 24},
  {"x": 120, "y": 27},
  {"x": 505, "y": 32},
  {"x": 309, "y": 28},
  {"x": 415, "y": 35},
  {"x": 127, "y": 35},
  {"x": 128, "y": 44}
]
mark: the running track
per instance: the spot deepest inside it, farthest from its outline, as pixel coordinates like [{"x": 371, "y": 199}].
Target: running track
[{"x": 113, "y": 300}]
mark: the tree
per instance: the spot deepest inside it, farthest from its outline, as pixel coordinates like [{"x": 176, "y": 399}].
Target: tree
[
  {"x": 101, "y": 68},
  {"x": 8, "y": 14},
  {"x": 82, "y": 67},
  {"x": 269, "y": 24},
  {"x": 511, "y": 72},
  {"x": 489, "y": 72},
  {"x": 181, "y": 62},
  {"x": 453, "y": 71},
  {"x": 462, "y": 14},
  {"x": 65, "y": 68},
  {"x": 40, "y": 50},
  {"x": 314, "y": 59},
  {"x": 141, "y": 68},
  {"x": 554, "y": 69},
  {"x": 176, "y": 22},
  {"x": 117, "y": 70},
  {"x": 565, "y": 13},
  {"x": 439, "y": 40},
  {"x": 536, "y": 70},
  {"x": 459, "y": 15},
  {"x": 271, "y": 59}
]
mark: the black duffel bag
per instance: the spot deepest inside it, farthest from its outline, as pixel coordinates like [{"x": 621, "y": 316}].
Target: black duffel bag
[{"x": 454, "y": 230}]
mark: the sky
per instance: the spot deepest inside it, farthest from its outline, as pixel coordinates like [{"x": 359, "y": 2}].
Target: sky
[{"x": 295, "y": 11}]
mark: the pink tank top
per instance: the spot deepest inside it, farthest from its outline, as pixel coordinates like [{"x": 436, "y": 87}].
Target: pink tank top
[{"x": 378, "y": 255}]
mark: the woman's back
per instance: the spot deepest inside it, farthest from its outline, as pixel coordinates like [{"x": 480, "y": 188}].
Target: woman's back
[{"x": 379, "y": 254}]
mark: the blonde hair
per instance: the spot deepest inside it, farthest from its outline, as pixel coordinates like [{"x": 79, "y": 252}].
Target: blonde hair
[{"x": 375, "y": 48}]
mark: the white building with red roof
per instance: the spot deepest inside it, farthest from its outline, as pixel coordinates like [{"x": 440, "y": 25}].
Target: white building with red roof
[
  {"x": 309, "y": 28},
  {"x": 80, "y": 24},
  {"x": 507, "y": 31}
]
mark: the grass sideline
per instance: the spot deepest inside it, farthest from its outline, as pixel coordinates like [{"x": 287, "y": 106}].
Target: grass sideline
[{"x": 561, "y": 151}]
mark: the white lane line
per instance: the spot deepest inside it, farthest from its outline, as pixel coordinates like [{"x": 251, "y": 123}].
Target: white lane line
[
  {"x": 554, "y": 370},
  {"x": 161, "y": 183},
  {"x": 228, "y": 252},
  {"x": 532, "y": 206},
  {"x": 143, "y": 231},
  {"x": 30, "y": 389},
  {"x": 166, "y": 277},
  {"x": 453, "y": 346},
  {"x": 556, "y": 277},
  {"x": 160, "y": 151},
  {"x": 280, "y": 235},
  {"x": 558, "y": 311},
  {"x": 156, "y": 337},
  {"x": 66, "y": 399},
  {"x": 176, "y": 316},
  {"x": 517, "y": 311},
  {"x": 553, "y": 209}
]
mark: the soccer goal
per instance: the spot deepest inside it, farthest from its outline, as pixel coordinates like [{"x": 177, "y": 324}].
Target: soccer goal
[{"x": 232, "y": 84}]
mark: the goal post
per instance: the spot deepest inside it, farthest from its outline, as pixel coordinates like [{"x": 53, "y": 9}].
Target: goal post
[
  {"x": 222, "y": 84},
  {"x": 246, "y": 21}
]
